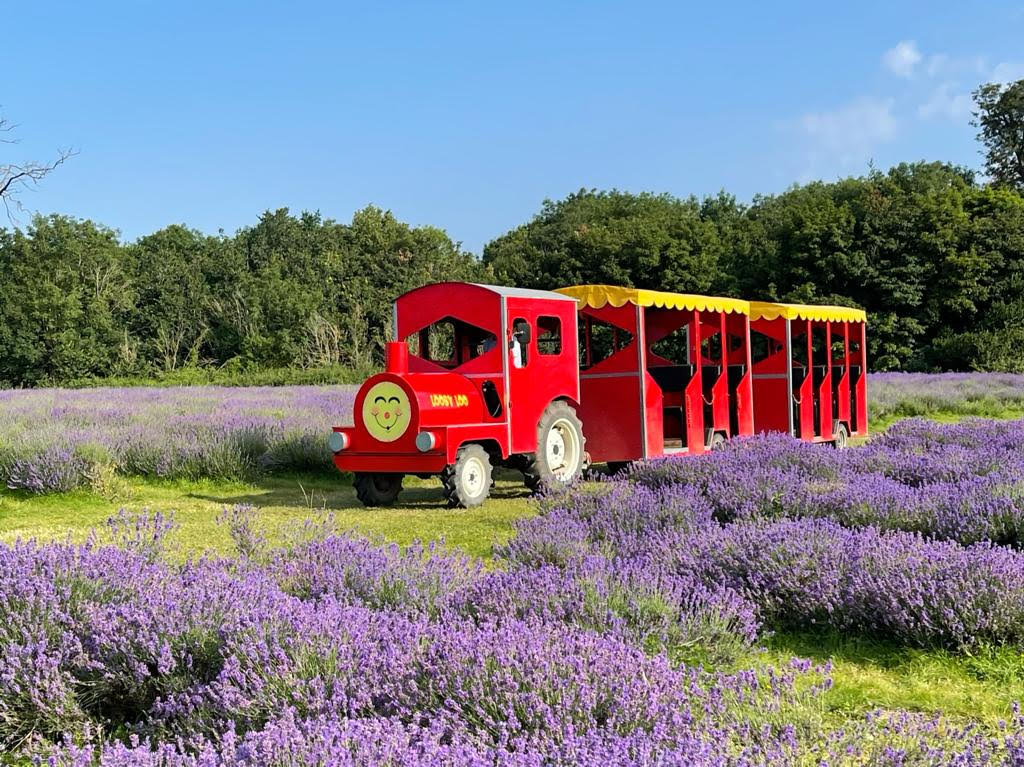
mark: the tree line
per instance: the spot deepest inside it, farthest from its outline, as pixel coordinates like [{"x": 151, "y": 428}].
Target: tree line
[
  {"x": 934, "y": 255},
  {"x": 289, "y": 292}
]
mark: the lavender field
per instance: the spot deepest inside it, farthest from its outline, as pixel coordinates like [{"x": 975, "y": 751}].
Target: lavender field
[
  {"x": 54, "y": 440},
  {"x": 621, "y": 625},
  {"x": 989, "y": 395},
  {"x": 618, "y": 627}
]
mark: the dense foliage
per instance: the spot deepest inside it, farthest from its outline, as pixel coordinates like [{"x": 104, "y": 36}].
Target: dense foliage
[
  {"x": 619, "y": 628},
  {"x": 1000, "y": 118},
  {"x": 291, "y": 291},
  {"x": 936, "y": 259}
]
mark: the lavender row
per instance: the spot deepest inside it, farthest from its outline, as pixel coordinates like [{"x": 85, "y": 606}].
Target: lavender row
[
  {"x": 791, "y": 572},
  {"x": 54, "y": 440},
  {"x": 329, "y": 651},
  {"x": 920, "y": 394},
  {"x": 962, "y": 482},
  {"x": 218, "y": 662}
]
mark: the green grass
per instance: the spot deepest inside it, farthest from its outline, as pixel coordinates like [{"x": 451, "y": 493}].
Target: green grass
[
  {"x": 869, "y": 674},
  {"x": 878, "y": 425},
  {"x": 282, "y": 499}
]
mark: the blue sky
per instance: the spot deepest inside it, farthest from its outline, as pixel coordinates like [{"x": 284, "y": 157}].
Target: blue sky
[{"x": 467, "y": 115}]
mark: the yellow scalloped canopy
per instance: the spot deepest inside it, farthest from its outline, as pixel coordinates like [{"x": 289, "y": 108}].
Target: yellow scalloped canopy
[
  {"x": 596, "y": 296},
  {"x": 769, "y": 311}
]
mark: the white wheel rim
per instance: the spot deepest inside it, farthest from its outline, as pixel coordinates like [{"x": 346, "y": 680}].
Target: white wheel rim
[
  {"x": 474, "y": 476},
  {"x": 562, "y": 449}
]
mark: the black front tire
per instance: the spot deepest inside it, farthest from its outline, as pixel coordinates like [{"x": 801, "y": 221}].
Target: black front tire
[
  {"x": 378, "y": 489},
  {"x": 467, "y": 482}
]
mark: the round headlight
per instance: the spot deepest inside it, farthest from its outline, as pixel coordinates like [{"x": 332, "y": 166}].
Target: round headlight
[
  {"x": 426, "y": 441},
  {"x": 338, "y": 441}
]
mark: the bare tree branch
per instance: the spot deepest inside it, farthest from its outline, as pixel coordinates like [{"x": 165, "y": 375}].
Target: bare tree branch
[{"x": 16, "y": 178}]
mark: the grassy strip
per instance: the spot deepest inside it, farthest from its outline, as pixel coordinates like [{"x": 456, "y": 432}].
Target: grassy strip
[
  {"x": 869, "y": 674},
  {"x": 282, "y": 499}
]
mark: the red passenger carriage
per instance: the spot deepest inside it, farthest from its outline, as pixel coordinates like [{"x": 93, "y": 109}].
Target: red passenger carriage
[
  {"x": 810, "y": 371},
  {"x": 481, "y": 376}
]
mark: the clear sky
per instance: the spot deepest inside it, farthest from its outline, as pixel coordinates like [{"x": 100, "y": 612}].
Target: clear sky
[{"x": 467, "y": 115}]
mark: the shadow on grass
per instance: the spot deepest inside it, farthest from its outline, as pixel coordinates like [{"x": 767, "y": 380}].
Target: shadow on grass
[
  {"x": 999, "y": 663},
  {"x": 335, "y": 492},
  {"x": 824, "y": 645}
]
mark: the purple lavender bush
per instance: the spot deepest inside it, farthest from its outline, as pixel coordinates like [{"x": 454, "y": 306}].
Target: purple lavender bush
[
  {"x": 901, "y": 395},
  {"x": 53, "y": 440},
  {"x": 962, "y": 482},
  {"x": 331, "y": 651}
]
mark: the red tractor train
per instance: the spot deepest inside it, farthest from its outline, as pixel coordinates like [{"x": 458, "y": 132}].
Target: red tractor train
[{"x": 481, "y": 376}]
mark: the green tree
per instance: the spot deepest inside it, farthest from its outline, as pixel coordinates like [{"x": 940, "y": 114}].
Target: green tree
[
  {"x": 172, "y": 288},
  {"x": 642, "y": 240},
  {"x": 64, "y": 299},
  {"x": 1000, "y": 120}
]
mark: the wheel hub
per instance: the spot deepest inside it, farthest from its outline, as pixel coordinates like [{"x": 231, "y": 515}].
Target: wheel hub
[
  {"x": 562, "y": 450},
  {"x": 473, "y": 477}
]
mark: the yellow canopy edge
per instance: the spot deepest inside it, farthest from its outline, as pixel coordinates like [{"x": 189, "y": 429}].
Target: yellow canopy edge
[
  {"x": 596, "y": 296},
  {"x": 769, "y": 311}
]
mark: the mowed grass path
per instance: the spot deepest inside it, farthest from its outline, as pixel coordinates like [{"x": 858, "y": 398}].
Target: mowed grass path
[
  {"x": 867, "y": 674},
  {"x": 421, "y": 513}
]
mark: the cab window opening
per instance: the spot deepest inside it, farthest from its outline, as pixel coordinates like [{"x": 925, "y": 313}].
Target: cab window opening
[
  {"x": 450, "y": 342},
  {"x": 549, "y": 335},
  {"x": 520, "y": 342}
]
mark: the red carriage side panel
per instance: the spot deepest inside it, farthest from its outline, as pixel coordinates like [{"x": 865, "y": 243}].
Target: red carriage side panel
[{"x": 611, "y": 400}]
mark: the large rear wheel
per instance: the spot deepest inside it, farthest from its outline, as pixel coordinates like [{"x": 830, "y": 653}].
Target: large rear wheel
[
  {"x": 560, "y": 456},
  {"x": 467, "y": 482},
  {"x": 378, "y": 489}
]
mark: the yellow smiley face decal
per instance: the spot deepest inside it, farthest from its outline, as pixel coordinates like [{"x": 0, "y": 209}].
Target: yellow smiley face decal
[{"x": 386, "y": 411}]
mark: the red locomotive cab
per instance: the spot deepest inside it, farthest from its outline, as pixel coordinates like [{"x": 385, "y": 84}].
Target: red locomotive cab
[{"x": 478, "y": 376}]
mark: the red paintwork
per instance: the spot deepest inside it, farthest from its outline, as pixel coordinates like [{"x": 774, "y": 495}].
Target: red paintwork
[
  {"x": 450, "y": 403},
  {"x": 840, "y": 395},
  {"x": 647, "y": 414},
  {"x": 626, "y": 413}
]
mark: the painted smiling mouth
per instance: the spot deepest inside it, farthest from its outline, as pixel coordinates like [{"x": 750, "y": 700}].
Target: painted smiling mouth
[{"x": 377, "y": 402}]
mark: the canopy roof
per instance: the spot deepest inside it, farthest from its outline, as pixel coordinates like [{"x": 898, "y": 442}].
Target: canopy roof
[
  {"x": 769, "y": 311},
  {"x": 596, "y": 296}
]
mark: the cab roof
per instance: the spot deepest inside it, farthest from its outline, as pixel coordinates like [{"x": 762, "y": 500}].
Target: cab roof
[{"x": 507, "y": 292}]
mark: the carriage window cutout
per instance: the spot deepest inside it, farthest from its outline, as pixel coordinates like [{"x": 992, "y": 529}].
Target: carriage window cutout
[
  {"x": 674, "y": 347},
  {"x": 599, "y": 340},
  {"x": 549, "y": 335},
  {"x": 762, "y": 347}
]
